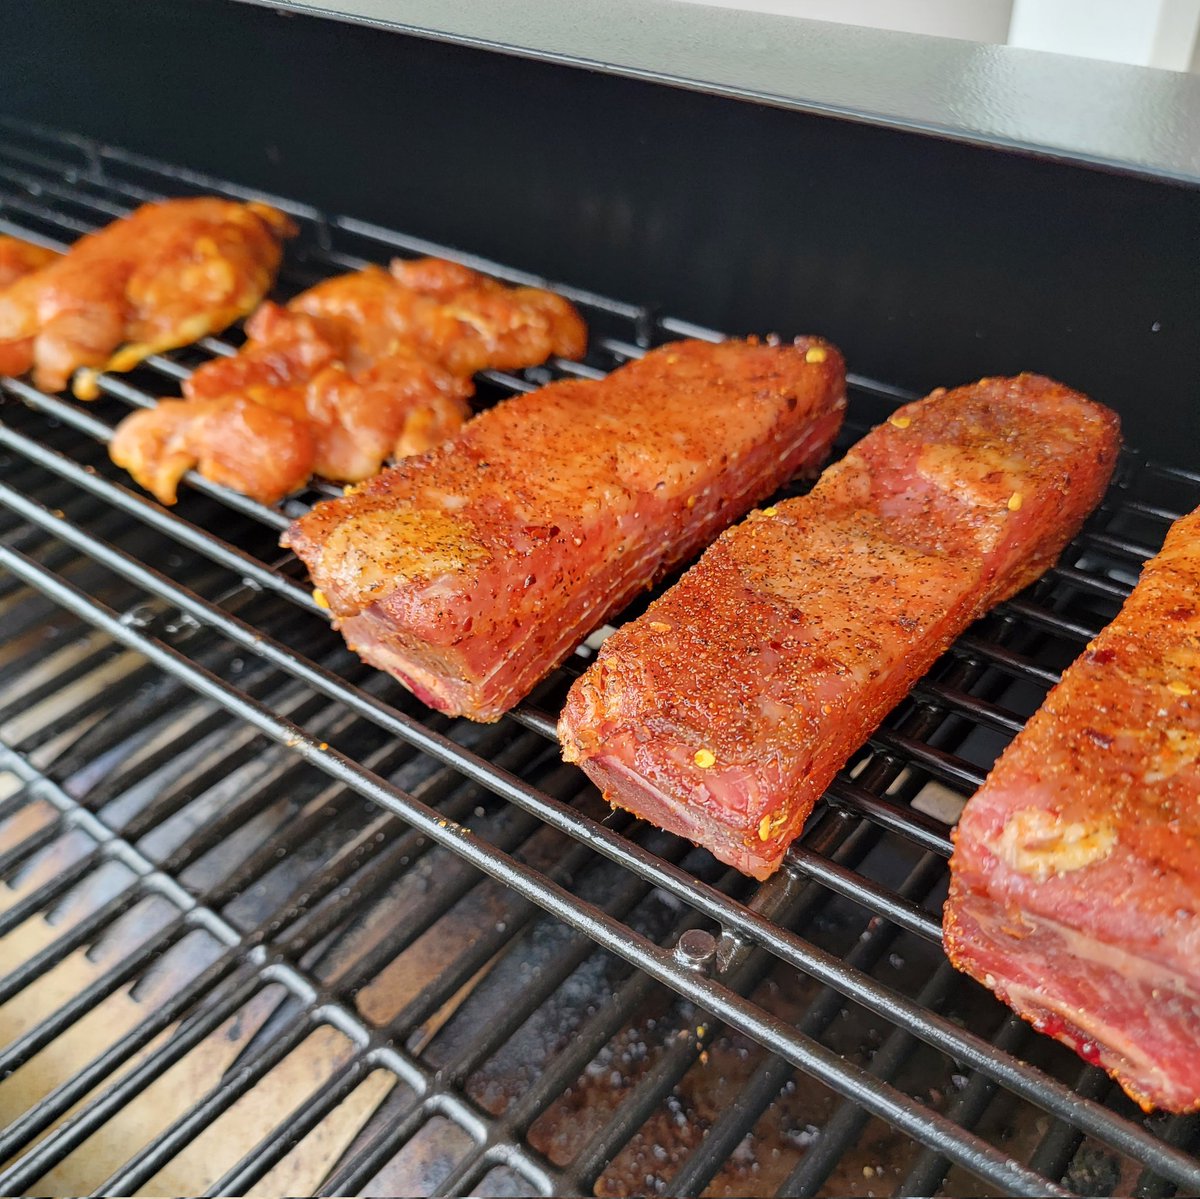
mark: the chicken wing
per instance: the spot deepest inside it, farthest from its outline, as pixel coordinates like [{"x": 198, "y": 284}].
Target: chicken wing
[
  {"x": 162, "y": 277},
  {"x": 19, "y": 258},
  {"x": 358, "y": 369}
]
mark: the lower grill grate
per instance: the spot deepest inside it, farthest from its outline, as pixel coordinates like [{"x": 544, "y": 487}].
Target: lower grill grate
[{"x": 281, "y": 931}]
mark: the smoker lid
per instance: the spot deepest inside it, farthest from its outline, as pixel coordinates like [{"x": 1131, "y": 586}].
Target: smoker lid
[{"x": 1136, "y": 120}]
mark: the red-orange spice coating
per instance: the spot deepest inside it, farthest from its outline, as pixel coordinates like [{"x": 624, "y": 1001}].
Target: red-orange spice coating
[
  {"x": 161, "y": 277},
  {"x": 356, "y": 370},
  {"x": 724, "y": 712},
  {"x": 1075, "y": 881},
  {"x": 19, "y": 258},
  {"x": 471, "y": 571}
]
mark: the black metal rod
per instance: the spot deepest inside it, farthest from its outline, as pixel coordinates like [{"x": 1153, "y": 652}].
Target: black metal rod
[
  {"x": 275, "y": 1146},
  {"x": 161, "y": 519},
  {"x": 1031, "y": 1084},
  {"x": 74, "y": 938},
  {"x": 103, "y": 433},
  {"x": 1040, "y": 610},
  {"x": 842, "y": 1129},
  {"x": 151, "y": 1158},
  {"x": 926, "y": 1173},
  {"x": 1183, "y": 1131},
  {"x": 732, "y": 1125},
  {"x": 1055, "y": 1150},
  {"x": 49, "y": 892},
  {"x": 55, "y": 1023},
  {"x": 59, "y": 1101},
  {"x": 878, "y": 899},
  {"x": 921, "y": 1123}
]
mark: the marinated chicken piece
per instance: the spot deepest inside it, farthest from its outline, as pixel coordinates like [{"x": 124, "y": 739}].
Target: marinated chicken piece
[
  {"x": 454, "y": 316},
  {"x": 725, "y": 711},
  {"x": 1075, "y": 881},
  {"x": 470, "y": 572},
  {"x": 356, "y": 370},
  {"x": 162, "y": 277},
  {"x": 293, "y": 408},
  {"x": 19, "y": 258}
]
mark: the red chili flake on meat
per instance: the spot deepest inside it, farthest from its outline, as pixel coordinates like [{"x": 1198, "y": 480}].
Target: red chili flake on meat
[
  {"x": 1102, "y": 657},
  {"x": 541, "y": 532},
  {"x": 1051, "y": 1025},
  {"x": 1104, "y": 740}
]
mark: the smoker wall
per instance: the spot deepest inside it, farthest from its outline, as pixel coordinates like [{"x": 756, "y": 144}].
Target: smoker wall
[{"x": 929, "y": 261}]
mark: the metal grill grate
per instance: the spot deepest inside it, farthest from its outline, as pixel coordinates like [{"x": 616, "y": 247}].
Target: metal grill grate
[{"x": 281, "y": 930}]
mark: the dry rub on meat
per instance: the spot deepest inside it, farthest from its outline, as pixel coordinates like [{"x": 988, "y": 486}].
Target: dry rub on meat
[
  {"x": 1075, "y": 891},
  {"x": 162, "y": 277},
  {"x": 19, "y": 258},
  {"x": 724, "y": 712},
  {"x": 359, "y": 369},
  {"x": 470, "y": 572}
]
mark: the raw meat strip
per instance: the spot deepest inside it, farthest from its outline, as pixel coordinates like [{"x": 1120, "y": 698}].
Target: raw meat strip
[
  {"x": 725, "y": 711},
  {"x": 472, "y": 571},
  {"x": 1075, "y": 886}
]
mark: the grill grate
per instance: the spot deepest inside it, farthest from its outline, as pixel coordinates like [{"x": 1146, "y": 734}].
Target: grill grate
[{"x": 280, "y": 929}]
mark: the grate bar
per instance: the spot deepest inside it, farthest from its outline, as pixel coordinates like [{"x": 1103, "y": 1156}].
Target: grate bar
[
  {"x": 272, "y": 1149},
  {"x": 144, "y": 1164},
  {"x": 52, "y": 890},
  {"x": 58, "y": 1102},
  {"x": 280, "y": 1141},
  {"x": 18, "y": 1052},
  {"x": 66, "y": 1096},
  {"x": 895, "y": 908},
  {"x": 123, "y": 499},
  {"x": 736, "y": 1122},
  {"x": 922, "y": 830},
  {"x": 848, "y": 1121},
  {"x": 927, "y": 1172},
  {"x": 299, "y": 930},
  {"x": 922, "y": 1124},
  {"x": 1032, "y": 1085},
  {"x": 98, "y": 430},
  {"x": 1053, "y": 1154},
  {"x": 788, "y": 904},
  {"x": 60, "y": 186},
  {"x": 1183, "y": 1131},
  {"x": 519, "y": 916}
]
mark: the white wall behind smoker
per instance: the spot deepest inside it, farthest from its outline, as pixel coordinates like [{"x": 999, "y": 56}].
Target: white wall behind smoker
[
  {"x": 1152, "y": 33},
  {"x": 973, "y": 20}
]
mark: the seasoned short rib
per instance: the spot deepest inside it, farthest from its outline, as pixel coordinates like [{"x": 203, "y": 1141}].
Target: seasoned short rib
[
  {"x": 472, "y": 571},
  {"x": 1075, "y": 891},
  {"x": 725, "y": 711}
]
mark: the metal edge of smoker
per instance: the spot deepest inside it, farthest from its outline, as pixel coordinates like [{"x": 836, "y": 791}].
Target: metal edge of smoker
[{"x": 990, "y": 95}]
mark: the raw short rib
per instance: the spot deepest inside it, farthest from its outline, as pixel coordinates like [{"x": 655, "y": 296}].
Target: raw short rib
[
  {"x": 724, "y": 712},
  {"x": 470, "y": 572},
  {"x": 1075, "y": 886}
]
